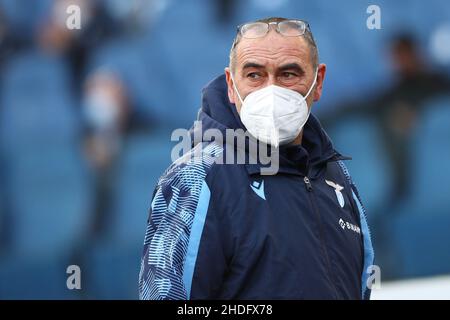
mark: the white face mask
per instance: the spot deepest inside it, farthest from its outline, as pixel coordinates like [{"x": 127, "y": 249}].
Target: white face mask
[{"x": 274, "y": 115}]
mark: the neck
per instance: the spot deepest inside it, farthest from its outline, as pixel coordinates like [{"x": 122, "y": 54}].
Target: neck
[{"x": 298, "y": 140}]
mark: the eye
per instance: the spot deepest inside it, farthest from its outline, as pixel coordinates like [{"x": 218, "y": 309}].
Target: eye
[
  {"x": 288, "y": 75},
  {"x": 254, "y": 75}
]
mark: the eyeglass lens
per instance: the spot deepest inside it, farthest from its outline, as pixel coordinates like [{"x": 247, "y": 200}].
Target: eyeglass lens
[{"x": 259, "y": 29}]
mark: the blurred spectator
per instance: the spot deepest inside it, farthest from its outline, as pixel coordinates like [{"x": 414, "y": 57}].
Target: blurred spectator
[
  {"x": 105, "y": 108},
  {"x": 400, "y": 106},
  {"x": 97, "y": 26},
  {"x": 7, "y": 43},
  {"x": 10, "y": 44},
  {"x": 397, "y": 110},
  {"x": 105, "y": 105}
]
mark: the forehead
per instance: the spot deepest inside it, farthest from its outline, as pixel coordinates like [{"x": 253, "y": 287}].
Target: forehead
[{"x": 272, "y": 50}]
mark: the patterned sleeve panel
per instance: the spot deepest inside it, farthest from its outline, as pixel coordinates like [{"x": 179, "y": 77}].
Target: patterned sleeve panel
[{"x": 177, "y": 215}]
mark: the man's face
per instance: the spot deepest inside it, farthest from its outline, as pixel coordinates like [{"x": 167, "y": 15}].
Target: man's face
[{"x": 273, "y": 59}]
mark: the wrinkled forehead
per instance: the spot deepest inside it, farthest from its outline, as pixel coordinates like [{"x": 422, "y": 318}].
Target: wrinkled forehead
[{"x": 273, "y": 49}]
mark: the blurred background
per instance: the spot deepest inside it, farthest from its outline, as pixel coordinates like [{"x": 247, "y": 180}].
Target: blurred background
[{"x": 86, "y": 117}]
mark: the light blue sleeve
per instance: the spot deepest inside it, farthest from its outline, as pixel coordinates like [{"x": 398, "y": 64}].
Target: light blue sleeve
[{"x": 369, "y": 254}]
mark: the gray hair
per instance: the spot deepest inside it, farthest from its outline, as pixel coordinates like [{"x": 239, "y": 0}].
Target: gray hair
[{"x": 307, "y": 35}]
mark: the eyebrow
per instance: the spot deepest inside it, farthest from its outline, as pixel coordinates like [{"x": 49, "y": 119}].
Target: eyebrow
[
  {"x": 289, "y": 66},
  {"x": 249, "y": 65}
]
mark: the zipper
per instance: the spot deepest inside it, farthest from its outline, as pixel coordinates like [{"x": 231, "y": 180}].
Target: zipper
[
  {"x": 308, "y": 184},
  {"x": 309, "y": 188}
]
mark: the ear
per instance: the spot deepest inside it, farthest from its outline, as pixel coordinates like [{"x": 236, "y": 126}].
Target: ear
[
  {"x": 231, "y": 92},
  {"x": 322, "y": 69}
]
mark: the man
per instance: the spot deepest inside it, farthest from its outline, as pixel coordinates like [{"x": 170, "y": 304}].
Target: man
[{"x": 226, "y": 231}]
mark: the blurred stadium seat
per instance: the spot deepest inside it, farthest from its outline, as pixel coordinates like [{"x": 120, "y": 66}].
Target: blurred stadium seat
[
  {"x": 421, "y": 223},
  {"x": 37, "y": 102},
  {"x": 32, "y": 278},
  {"x": 358, "y": 137},
  {"x": 111, "y": 267},
  {"x": 39, "y": 135},
  {"x": 144, "y": 159},
  {"x": 50, "y": 197},
  {"x": 111, "y": 270},
  {"x": 23, "y": 16},
  {"x": 199, "y": 54},
  {"x": 47, "y": 181}
]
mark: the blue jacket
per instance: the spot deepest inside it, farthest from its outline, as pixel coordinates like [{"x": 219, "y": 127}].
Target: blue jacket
[{"x": 227, "y": 232}]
